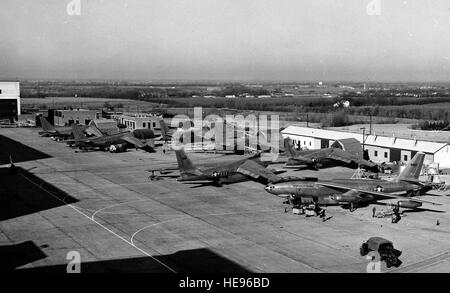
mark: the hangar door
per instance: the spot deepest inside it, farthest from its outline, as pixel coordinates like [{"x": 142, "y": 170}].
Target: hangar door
[
  {"x": 324, "y": 143},
  {"x": 395, "y": 155},
  {"x": 8, "y": 108}
]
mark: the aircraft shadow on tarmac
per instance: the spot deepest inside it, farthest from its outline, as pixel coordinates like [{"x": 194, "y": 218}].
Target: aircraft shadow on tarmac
[
  {"x": 17, "y": 255},
  {"x": 200, "y": 260},
  {"x": 18, "y": 151},
  {"x": 22, "y": 193},
  {"x": 416, "y": 210},
  {"x": 421, "y": 210}
]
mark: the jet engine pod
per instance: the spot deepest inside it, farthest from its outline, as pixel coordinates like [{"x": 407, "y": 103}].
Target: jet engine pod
[
  {"x": 351, "y": 198},
  {"x": 409, "y": 204},
  {"x": 316, "y": 165}
]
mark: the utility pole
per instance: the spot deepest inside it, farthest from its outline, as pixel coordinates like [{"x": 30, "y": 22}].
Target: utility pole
[{"x": 364, "y": 139}]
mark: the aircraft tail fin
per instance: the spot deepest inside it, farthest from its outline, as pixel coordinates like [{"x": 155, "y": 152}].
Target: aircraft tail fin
[
  {"x": 77, "y": 132},
  {"x": 184, "y": 163},
  {"x": 412, "y": 171},
  {"x": 46, "y": 126},
  {"x": 289, "y": 148},
  {"x": 92, "y": 129},
  {"x": 164, "y": 129}
]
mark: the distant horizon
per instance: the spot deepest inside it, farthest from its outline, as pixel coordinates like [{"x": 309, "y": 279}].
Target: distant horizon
[{"x": 169, "y": 81}]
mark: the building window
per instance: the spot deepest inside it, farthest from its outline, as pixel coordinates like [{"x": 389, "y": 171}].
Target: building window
[
  {"x": 0, "y": 91},
  {"x": 405, "y": 157},
  {"x": 309, "y": 143},
  {"x": 385, "y": 154},
  {"x": 375, "y": 153},
  {"x": 143, "y": 124},
  {"x": 154, "y": 124}
]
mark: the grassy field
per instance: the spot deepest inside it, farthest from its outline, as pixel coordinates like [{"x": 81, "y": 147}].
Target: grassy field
[
  {"x": 400, "y": 130},
  {"x": 291, "y": 101}
]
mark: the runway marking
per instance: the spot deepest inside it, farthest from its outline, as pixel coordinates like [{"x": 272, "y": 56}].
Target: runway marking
[
  {"x": 122, "y": 213},
  {"x": 101, "y": 225},
  {"x": 190, "y": 216},
  {"x": 155, "y": 224},
  {"x": 198, "y": 217},
  {"x": 117, "y": 204}
]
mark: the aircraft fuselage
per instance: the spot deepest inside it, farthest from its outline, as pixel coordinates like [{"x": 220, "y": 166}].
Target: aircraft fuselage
[
  {"x": 300, "y": 189},
  {"x": 226, "y": 173}
]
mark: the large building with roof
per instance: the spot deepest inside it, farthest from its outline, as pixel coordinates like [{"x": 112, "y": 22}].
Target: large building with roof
[
  {"x": 77, "y": 116},
  {"x": 9, "y": 100},
  {"x": 134, "y": 121},
  {"x": 379, "y": 148}
]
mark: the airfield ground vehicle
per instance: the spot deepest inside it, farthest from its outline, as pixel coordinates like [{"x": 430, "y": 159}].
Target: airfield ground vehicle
[{"x": 385, "y": 248}]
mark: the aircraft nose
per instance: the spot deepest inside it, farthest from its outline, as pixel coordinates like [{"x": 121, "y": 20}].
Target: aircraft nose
[{"x": 269, "y": 188}]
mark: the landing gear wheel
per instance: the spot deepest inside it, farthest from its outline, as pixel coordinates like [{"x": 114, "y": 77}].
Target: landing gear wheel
[{"x": 352, "y": 208}]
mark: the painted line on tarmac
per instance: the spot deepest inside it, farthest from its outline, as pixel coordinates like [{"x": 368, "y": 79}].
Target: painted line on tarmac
[
  {"x": 190, "y": 216},
  {"x": 125, "y": 213},
  {"x": 155, "y": 224},
  {"x": 115, "y": 205},
  {"x": 101, "y": 225}
]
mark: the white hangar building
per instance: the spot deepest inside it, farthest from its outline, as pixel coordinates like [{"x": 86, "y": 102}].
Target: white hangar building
[
  {"x": 139, "y": 121},
  {"x": 9, "y": 100},
  {"x": 380, "y": 148}
]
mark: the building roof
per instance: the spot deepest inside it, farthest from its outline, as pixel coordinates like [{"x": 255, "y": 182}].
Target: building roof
[
  {"x": 373, "y": 140},
  {"x": 75, "y": 110}
]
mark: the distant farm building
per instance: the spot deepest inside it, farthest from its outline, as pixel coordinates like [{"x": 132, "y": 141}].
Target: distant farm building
[
  {"x": 111, "y": 114},
  {"x": 9, "y": 100},
  {"x": 379, "y": 148}
]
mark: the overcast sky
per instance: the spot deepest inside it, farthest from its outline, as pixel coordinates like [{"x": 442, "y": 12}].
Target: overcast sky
[{"x": 226, "y": 40}]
